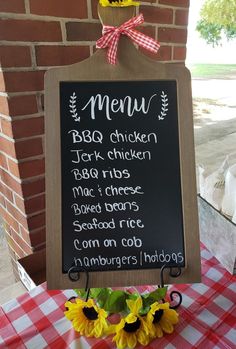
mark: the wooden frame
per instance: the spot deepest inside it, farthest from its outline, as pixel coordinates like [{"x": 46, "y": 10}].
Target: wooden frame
[{"x": 132, "y": 66}]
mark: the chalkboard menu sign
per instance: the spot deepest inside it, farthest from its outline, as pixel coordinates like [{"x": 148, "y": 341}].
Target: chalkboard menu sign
[{"x": 121, "y": 197}]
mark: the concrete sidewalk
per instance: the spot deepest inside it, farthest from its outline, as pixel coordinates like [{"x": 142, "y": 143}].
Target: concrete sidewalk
[{"x": 214, "y": 121}]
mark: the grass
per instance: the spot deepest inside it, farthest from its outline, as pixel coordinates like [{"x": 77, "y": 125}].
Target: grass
[{"x": 220, "y": 71}]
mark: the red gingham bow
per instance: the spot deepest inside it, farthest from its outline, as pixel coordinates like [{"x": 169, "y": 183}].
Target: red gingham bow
[{"x": 111, "y": 37}]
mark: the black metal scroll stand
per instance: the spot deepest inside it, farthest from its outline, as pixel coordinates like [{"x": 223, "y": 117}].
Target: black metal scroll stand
[
  {"x": 173, "y": 293},
  {"x": 74, "y": 276}
]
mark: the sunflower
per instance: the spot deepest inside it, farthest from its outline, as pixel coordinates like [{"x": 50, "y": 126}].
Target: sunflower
[
  {"x": 118, "y": 3},
  {"x": 87, "y": 318},
  {"x": 132, "y": 329},
  {"x": 161, "y": 318}
]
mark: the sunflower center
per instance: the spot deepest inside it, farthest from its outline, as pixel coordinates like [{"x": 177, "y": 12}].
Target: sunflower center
[
  {"x": 90, "y": 313},
  {"x": 157, "y": 316},
  {"x": 133, "y": 327}
]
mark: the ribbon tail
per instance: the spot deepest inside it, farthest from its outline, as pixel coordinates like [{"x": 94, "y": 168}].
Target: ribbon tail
[
  {"x": 112, "y": 51},
  {"x": 143, "y": 40}
]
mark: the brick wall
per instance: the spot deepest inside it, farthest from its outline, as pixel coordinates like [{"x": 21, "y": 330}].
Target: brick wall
[{"x": 34, "y": 36}]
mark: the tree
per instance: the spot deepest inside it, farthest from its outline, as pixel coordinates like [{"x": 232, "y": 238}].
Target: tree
[{"x": 218, "y": 19}]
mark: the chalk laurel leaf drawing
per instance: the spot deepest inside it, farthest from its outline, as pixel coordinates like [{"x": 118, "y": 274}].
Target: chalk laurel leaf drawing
[
  {"x": 73, "y": 107},
  {"x": 164, "y": 106}
]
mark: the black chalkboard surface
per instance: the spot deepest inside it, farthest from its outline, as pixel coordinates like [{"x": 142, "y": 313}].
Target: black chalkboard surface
[{"x": 120, "y": 167}]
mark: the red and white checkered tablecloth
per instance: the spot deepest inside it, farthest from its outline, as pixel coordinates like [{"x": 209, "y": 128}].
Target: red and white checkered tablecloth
[{"x": 35, "y": 320}]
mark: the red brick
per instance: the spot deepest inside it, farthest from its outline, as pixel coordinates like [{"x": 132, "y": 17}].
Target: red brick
[
  {"x": 157, "y": 15},
  {"x": 2, "y": 200},
  {"x": 180, "y": 53},
  {"x": 40, "y": 247},
  {"x": 59, "y": 8},
  {"x": 181, "y": 17},
  {"x": 18, "y": 105},
  {"x": 164, "y": 53},
  {"x": 4, "y": 108},
  {"x": 28, "y": 30},
  {"x": 7, "y": 147},
  {"x": 37, "y": 221},
  {"x": 38, "y": 237},
  {"x": 25, "y": 234},
  {"x": 17, "y": 214},
  {"x": 15, "y": 247},
  {"x": 6, "y": 128},
  {"x": 20, "y": 203},
  {"x": 24, "y": 81},
  {"x": 23, "y": 105},
  {"x": 32, "y": 168},
  {"x": 33, "y": 187},
  {"x": 11, "y": 221},
  {"x": 148, "y": 30},
  {"x": 35, "y": 204},
  {"x": 172, "y": 35},
  {"x": 13, "y": 167},
  {"x": 94, "y": 4},
  {"x": 177, "y": 3},
  {"x": 6, "y": 192},
  {"x": 3, "y": 161},
  {"x": 15, "y": 56},
  {"x": 11, "y": 182},
  {"x": 2, "y": 83},
  {"x": 60, "y": 55},
  {"x": 23, "y": 245},
  {"x": 27, "y": 169},
  {"x": 83, "y": 31},
  {"x": 34, "y": 238},
  {"x": 28, "y": 148},
  {"x": 28, "y": 127},
  {"x": 14, "y": 6}
]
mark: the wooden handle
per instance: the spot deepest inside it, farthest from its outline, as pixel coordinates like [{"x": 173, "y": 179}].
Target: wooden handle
[{"x": 115, "y": 16}]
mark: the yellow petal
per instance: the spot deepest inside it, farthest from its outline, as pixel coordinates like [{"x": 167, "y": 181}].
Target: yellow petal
[
  {"x": 137, "y": 305},
  {"x": 131, "y": 318},
  {"x": 131, "y": 340},
  {"x": 130, "y": 304},
  {"x": 171, "y": 315},
  {"x": 122, "y": 342},
  {"x": 110, "y": 330},
  {"x": 154, "y": 307},
  {"x": 121, "y": 325},
  {"x": 101, "y": 312},
  {"x": 98, "y": 329},
  {"x": 145, "y": 325},
  {"x": 80, "y": 302},
  {"x": 89, "y": 303},
  {"x": 159, "y": 332},
  {"x": 166, "y": 325},
  {"x": 121, "y": 3},
  {"x": 143, "y": 338}
]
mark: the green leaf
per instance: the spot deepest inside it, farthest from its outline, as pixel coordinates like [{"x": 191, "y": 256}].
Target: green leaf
[
  {"x": 103, "y": 296},
  {"x": 132, "y": 296},
  {"x": 116, "y": 302},
  {"x": 153, "y": 297},
  {"x": 162, "y": 292},
  {"x": 94, "y": 292},
  {"x": 80, "y": 292}
]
